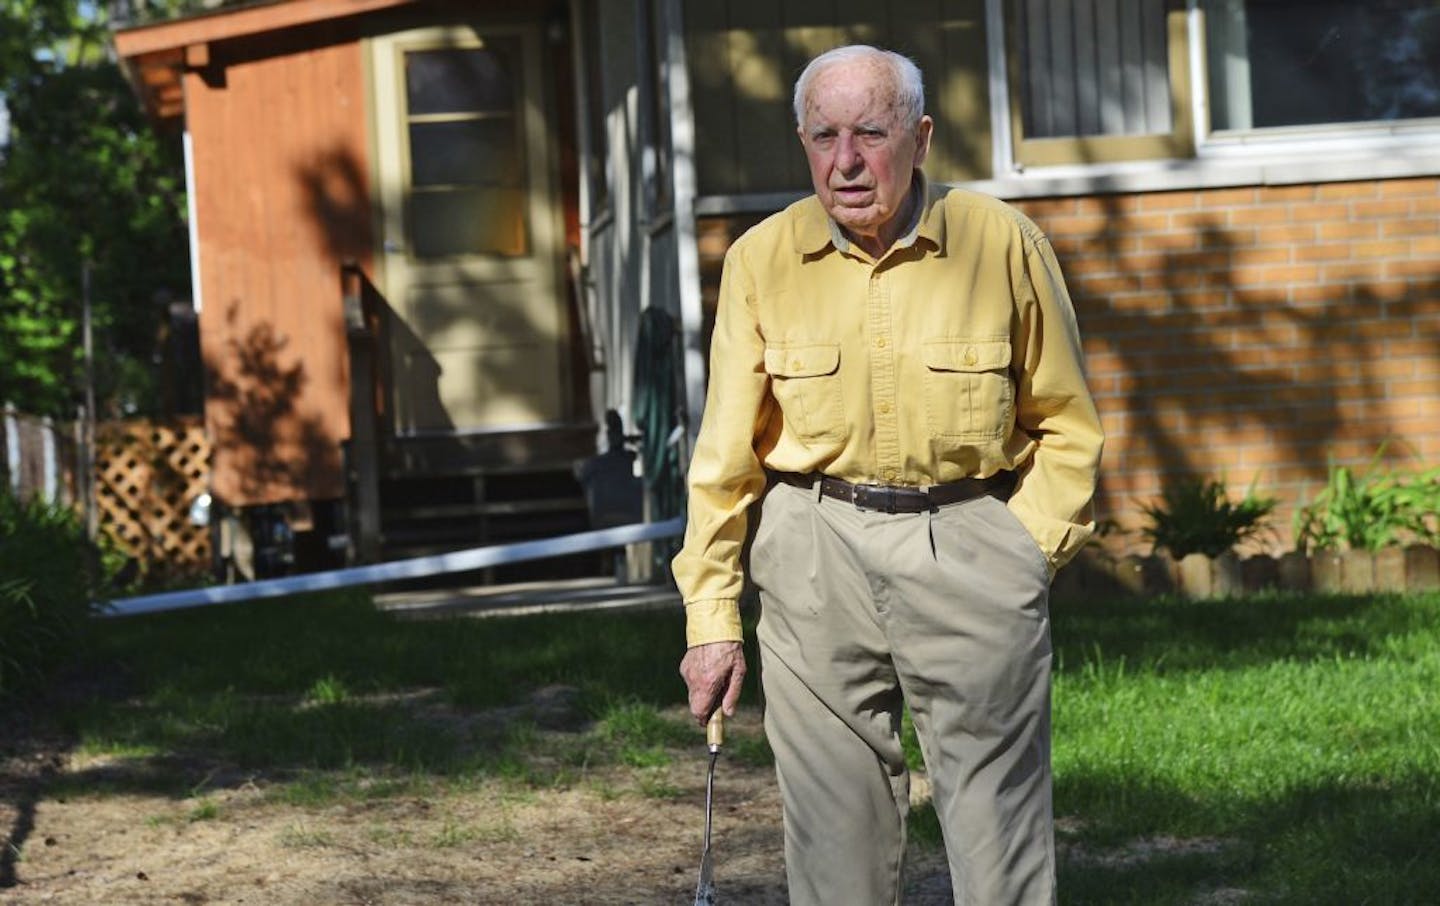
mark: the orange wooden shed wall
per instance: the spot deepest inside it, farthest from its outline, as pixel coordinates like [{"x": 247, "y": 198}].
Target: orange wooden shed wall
[{"x": 281, "y": 183}]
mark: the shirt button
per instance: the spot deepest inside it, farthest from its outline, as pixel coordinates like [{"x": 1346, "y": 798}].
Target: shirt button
[
  {"x": 884, "y": 408},
  {"x": 890, "y": 474},
  {"x": 880, "y": 343},
  {"x": 796, "y": 364},
  {"x": 970, "y": 358}
]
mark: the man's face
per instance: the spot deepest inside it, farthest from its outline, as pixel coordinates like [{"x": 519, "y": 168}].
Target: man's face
[{"x": 860, "y": 152}]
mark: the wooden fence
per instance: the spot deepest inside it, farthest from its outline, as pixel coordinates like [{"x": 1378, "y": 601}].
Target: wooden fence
[
  {"x": 146, "y": 474},
  {"x": 40, "y": 458}
]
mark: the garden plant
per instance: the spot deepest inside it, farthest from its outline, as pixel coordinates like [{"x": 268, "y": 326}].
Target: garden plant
[
  {"x": 1195, "y": 516},
  {"x": 47, "y": 579},
  {"x": 1372, "y": 509}
]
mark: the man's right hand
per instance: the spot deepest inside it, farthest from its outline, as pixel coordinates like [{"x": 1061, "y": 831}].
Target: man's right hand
[{"x": 713, "y": 674}]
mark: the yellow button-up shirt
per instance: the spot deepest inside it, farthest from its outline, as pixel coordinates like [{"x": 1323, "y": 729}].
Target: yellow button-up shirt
[{"x": 955, "y": 355}]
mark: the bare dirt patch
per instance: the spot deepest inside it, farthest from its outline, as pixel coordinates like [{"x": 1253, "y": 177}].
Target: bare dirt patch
[{"x": 614, "y": 835}]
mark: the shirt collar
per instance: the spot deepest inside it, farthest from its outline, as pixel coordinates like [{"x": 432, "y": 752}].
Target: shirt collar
[{"x": 814, "y": 229}]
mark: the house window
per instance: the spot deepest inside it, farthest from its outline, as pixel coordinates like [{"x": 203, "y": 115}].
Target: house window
[
  {"x": 1314, "y": 62},
  {"x": 1098, "y": 80},
  {"x": 466, "y": 146}
]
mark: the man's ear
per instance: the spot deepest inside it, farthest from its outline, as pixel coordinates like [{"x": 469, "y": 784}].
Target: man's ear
[{"x": 923, "y": 131}]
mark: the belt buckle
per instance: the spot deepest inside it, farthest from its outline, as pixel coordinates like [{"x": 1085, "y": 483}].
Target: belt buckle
[{"x": 868, "y": 497}]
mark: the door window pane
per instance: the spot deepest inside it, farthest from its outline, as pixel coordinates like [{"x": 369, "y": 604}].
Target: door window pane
[
  {"x": 1309, "y": 62},
  {"x": 467, "y": 189},
  {"x": 467, "y": 222},
  {"x": 461, "y": 80},
  {"x": 482, "y": 152}
]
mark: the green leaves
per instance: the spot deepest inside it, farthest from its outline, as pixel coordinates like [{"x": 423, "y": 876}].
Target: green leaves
[
  {"x": 1196, "y": 516},
  {"x": 1372, "y": 510},
  {"x": 46, "y": 564},
  {"x": 83, "y": 178}
]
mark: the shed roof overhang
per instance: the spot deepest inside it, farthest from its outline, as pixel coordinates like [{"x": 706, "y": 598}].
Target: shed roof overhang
[{"x": 154, "y": 57}]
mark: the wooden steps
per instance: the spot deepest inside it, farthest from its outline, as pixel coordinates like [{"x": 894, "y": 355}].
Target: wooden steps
[{"x": 442, "y": 494}]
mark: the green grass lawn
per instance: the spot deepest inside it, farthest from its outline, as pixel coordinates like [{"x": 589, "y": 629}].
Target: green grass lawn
[
  {"x": 1290, "y": 744},
  {"x": 1272, "y": 750}
]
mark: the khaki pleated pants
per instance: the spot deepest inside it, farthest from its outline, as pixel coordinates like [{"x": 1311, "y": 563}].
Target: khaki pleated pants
[{"x": 946, "y": 610}]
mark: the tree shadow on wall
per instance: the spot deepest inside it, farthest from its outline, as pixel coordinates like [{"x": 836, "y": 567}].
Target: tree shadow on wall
[
  {"x": 262, "y": 437},
  {"x": 1217, "y": 330},
  {"x": 339, "y": 203},
  {"x": 337, "y": 197},
  {"x": 444, "y": 317},
  {"x": 408, "y": 373}
]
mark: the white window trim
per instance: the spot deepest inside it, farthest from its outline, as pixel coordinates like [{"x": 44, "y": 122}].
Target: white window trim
[
  {"x": 1153, "y": 176},
  {"x": 1199, "y": 75},
  {"x": 1002, "y": 152},
  {"x": 1209, "y": 173},
  {"x": 192, "y": 221}
]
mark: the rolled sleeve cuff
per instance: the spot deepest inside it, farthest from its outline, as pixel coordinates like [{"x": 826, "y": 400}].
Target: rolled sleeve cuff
[
  {"x": 712, "y": 620},
  {"x": 1058, "y": 540}
]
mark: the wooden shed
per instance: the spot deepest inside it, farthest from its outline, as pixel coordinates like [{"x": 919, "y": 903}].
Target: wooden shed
[
  {"x": 402, "y": 159},
  {"x": 424, "y": 232}
]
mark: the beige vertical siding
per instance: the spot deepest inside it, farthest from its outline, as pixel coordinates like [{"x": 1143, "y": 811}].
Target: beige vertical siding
[{"x": 745, "y": 55}]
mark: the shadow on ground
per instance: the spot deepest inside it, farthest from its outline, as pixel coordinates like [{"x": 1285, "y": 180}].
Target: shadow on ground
[
  {"x": 1171, "y": 635},
  {"x": 1122, "y": 840}
]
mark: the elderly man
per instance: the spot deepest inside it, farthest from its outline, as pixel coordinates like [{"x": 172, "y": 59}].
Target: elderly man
[{"x": 897, "y": 398}]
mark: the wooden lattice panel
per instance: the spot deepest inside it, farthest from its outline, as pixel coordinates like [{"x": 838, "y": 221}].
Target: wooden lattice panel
[{"x": 146, "y": 475}]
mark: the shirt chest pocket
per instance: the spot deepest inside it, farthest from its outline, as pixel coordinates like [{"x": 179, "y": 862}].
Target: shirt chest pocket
[
  {"x": 969, "y": 393},
  {"x": 805, "y": 380}
]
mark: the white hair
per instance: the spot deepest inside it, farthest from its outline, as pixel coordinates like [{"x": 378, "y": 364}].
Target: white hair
[{"x": 909, "y": 84}]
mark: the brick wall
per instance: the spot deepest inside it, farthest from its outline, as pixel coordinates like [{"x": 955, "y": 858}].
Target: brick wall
[
  {"x": 1248, "y": 333},
  {"x": 1254, "y": 333}
]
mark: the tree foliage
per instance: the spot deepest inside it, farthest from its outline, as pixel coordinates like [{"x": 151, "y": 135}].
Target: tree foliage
[{"x": 83, "y": 178}]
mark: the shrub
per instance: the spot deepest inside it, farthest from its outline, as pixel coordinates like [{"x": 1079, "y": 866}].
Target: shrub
[
  {"x": 1196, "y": 516},
  {"x": 47, "y": 564},
  {"x": 1372, "y": 510}
]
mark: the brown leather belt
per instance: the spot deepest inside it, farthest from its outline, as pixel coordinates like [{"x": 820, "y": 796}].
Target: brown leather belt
[{"x": 893, "y": 499}]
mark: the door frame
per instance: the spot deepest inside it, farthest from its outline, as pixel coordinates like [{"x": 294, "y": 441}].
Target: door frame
[{"x": 394, "y": 263}]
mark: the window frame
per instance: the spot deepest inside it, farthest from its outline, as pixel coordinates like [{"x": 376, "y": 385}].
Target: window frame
[
  {"x": 1359, "y": 136},
  {"x": 523, "y": 143},
  {"x": 1179, "y": 142}
]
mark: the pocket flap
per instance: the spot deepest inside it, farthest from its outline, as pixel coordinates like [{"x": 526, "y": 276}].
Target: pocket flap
[
  {"x": 967, "y": 355},
  {"x": 802, "y": 361}
]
